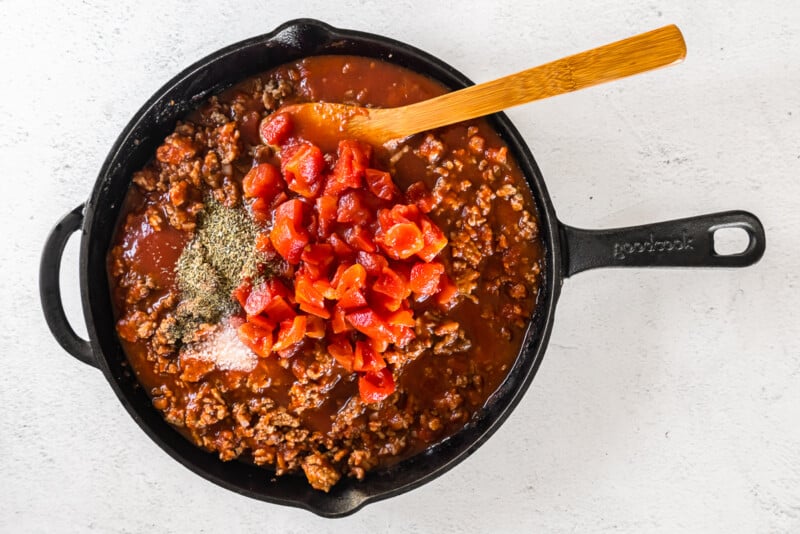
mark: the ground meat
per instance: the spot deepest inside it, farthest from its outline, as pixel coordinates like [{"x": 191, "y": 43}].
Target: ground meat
[{"x": 321, "y": 474}]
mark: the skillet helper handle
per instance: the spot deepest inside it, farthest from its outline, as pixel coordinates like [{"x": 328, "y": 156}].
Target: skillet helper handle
[
  {"x": 679, "y": 243},
  {"x": 50, "y": 288}
]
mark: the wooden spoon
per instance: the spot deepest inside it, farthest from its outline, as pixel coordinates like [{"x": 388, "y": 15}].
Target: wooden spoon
[{"x": 377, "y": 126}]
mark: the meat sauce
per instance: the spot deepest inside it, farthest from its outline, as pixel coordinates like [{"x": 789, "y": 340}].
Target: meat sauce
[{"x": 302, "y": 410}]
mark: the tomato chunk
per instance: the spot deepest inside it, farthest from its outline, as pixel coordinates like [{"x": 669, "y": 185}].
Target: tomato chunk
[
  {"x": 366, "y": 359},
  {"x": 263, "y": 181},
  {"x": 339, "y": 323},
  {"x": 348, "y": 172},
  {"x": 401, "y": 318},
  {"x": 288, "y": 235},
  {"x": 264, "y": 245},
  {"x": 315, "y": 327},
  {"x": 433, "y": 238},
  {"x": 258, "y": 339},
  {"x": 302, "y": 166},
  {"x": 360, "y": 238},
  {"x": 370, "y": 324},
  {"x": 342, "y": 351},
  {"x": 352, "y": 277},
  {"x": 425, "y": 278},
  {"x": 353, "y": 208},
  {"x": 402, "y": 240},
  {"x": 380, "y": 184},
  {"x": 261, "y": 210},
  {"x": 448, "y": 293},
  {"x": 391, "y": 284},
  {"x": 319, "y": 256},
  {"x": 261, "y": 322},
  {"x": 258, "y": 299},
  {"x": 279, "y": 310},
  {"x": 242, "y": 292},
  {"x": 373, "y": 263},
  {"x": 327, "y": 207},
  {"x": 352, "y": 298},
  {"x": 276, "y": 128},
  {"x": 376, "y": 386},
  {"x": 291, "y": 332},
  {"x": 305, "y": 292}
]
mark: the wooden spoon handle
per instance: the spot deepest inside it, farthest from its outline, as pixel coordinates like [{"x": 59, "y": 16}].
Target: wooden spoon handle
[{"x": 640, "y": 53}]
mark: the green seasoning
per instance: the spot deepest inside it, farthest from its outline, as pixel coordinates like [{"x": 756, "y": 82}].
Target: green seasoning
[{"x": 221, "y": 254}]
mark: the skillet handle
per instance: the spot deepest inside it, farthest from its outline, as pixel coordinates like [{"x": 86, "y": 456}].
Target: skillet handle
[
  {"x": 50, "y": 288},
  {"x": 679, "y": 243}
]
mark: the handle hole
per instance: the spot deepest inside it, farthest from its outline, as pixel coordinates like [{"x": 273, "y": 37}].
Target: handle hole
[
  {"x": 730, "y": 241},
  {"x": 69, "y": 279}
]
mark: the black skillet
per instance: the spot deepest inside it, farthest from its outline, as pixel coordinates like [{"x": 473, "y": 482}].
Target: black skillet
[{"x": 685, "y": 242}]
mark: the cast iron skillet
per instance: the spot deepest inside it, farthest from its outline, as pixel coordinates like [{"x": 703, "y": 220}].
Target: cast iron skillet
[{"x": 685, "y": 242}]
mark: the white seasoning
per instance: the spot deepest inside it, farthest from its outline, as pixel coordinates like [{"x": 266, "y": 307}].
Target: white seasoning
[{"x": 225, "y": 349}]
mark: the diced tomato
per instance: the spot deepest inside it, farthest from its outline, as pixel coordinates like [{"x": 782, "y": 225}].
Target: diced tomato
[
  {"x": 315, "y": 327},
  {"x": 288, "y": 235},
  {"x": 242, "y": 292},
  {"x": 320, "y": 256},
  {"x": 373, "y": 263},
  {"x": 384, "y": 303},
  {"x": 402, "y": 317},
  {"x": 302, "y": 166},
  {"x": 315, "y": 311},
  {"x": 291, "y": 332},
  {"x": 433, "y": 237},
  {"x": 370, "y": 324},
  {"x": 366, "y": 359},
  {"x": 258, "y": 339},
  {"x": 376, "y": 386},
  {"x": 305, "y": 292},
  {"x": 399, "y": 213},
  {"x": 401, "y": 335},
  {"x": 258, "y": 299},
  {"x": 263, "y": 181},
  {"x": 278, "y": 289},
  {"x": 342, "y": 351},
  {"x": 261, "y": 210},
  {"x": 391, "y": 284},
  {"x": 360, "y": 238},
  {"x": 379, "y": 346},
  {"x": 326, "y": 289},
  {"x": 276, "y": 129},
  {"x": 352, "y": 299},
  {"x": 425, "y": 278},
  {"x": 353, "y": 208},
  {"x": 447, "y": 293},
  {"x": 263, "y": 244},
  {"x": 420, "y": 196},
  {"x": 279, "y": 310},
  {"x": 338, "y": 323},
  {"x": 380, "y": 184},
  {"x": 402, "y": 240},
  {"x": 261, "y": 321},
  {"x": 348, "y": 172},
  {"x": 327, "y": 206},
  {"x": 352, "y": 277},
  {"x": 340, "y": 247}
]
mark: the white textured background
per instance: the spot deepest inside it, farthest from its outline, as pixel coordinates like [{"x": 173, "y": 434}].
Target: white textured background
[{"x": 669, "y": 400}]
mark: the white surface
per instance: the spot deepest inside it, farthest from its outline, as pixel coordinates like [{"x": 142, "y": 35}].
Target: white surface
[{"x": 669, "y": 400}]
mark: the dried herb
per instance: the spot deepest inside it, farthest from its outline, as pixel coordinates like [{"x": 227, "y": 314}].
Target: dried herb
[{"x": 221, "y": 254}]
